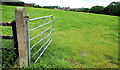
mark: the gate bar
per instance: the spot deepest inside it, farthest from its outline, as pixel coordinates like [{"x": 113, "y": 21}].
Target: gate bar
[
  {"x": 29, "y": 40},
  {"x": 40, "y": 26},
  {"x": 40, "y": 18},
  {"x": 43, "y": 45},
  {"x": 43, "y": 51},
  {"x": 43, "y": 32},
  {"x": 39, "y": 41}
]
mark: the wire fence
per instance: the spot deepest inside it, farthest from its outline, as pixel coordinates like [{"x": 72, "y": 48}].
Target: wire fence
[{"x": 48, "y": 41}]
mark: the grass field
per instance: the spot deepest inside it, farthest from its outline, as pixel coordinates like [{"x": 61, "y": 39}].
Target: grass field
[{"x": 80, "y": 40}]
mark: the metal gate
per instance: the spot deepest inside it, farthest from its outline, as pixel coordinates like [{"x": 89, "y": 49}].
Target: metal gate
[{"x": 43, "y": 39}]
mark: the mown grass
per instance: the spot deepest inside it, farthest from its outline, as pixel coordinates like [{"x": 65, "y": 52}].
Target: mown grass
[{"x": 80, "y": 40}]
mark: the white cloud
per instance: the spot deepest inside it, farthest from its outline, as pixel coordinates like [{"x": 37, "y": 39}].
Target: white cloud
[{"x": 71, "y": 3}]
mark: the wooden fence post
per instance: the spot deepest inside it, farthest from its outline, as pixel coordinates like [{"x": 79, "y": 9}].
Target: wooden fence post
[
  {"x": 15, "y": 37},
  {"x": 22, "y": 36}
]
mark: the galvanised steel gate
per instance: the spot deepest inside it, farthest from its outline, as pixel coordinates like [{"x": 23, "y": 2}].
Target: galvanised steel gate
[{"x": 43, "y": 39}]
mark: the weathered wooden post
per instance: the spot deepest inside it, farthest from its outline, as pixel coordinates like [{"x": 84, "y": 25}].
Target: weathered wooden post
[{"x": 22, "y": 36}]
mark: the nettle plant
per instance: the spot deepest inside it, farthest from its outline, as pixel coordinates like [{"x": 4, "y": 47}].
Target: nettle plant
[{"x": 8, "y": 55}]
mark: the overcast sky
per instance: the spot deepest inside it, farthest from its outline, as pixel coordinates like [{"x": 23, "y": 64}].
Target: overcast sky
[{"x": 71, "y": 3}]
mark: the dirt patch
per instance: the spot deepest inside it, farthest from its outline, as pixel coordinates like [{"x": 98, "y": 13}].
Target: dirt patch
[
  {"x": 84, "y": 54},
  {"x": 111, "y": 63},
  {"x": 108, "y": 57}
]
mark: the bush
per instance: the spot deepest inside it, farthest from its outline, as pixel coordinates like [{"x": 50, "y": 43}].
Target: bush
[
  {"x": 50, "y": 7},
  {"x": 85, "y": 10},
  {"x": 14, "y": 3},
  {"x": 8, "y": 54},
  {"x": 37, "y": 6},
  {"x": 72, "y": 9},
  {"x": 97, "y": 9}
]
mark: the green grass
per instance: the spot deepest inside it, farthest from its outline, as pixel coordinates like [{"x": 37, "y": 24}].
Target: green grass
[{"x": 80, "y": 40}]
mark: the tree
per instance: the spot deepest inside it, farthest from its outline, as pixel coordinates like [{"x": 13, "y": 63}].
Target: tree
[
  {"x": 113, "y": 9},
  {"x": 97, "y": 9},
  {"x": 37, "y": 6},
  {"x": 84, "y": 9},
  {"x": 51, "y": 7},
  {"x": 14, "y": 3}
]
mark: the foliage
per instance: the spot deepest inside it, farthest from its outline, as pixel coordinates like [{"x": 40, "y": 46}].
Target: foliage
[
  {"x": 97, "y": 9},
  {"x": 14, "y": 3},
  {"x": 37, "y": 6},
  {"x": 50, "y": 7},
  {"x": 72, "y": 9},
  {"x": 113, "y": 9},
  {"x": 8, "y": 54},
  {"x": 84, "y": 9},
  {"x": 77, "y": 10},
  {"x": 66, "y": 7}
]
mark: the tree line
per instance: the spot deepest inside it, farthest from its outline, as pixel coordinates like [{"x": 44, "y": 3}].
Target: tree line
[
  {"x": 13, "y": 3},
  {"x": 49, "y": 7},
  {"x": 112, "y": 9}
]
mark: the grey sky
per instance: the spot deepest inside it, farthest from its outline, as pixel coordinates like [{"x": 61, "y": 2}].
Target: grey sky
[{"x": 71, "y": 3}]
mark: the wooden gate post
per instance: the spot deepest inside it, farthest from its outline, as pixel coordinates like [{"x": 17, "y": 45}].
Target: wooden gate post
[{"x": 22, "y": 36}]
